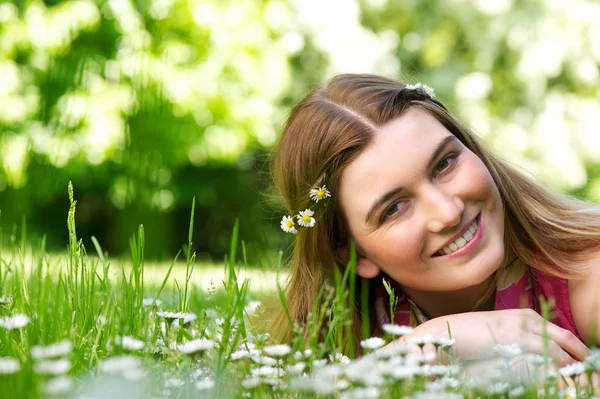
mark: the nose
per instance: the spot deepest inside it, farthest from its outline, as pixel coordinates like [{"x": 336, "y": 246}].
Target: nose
[{"x": 443, "y": 209}]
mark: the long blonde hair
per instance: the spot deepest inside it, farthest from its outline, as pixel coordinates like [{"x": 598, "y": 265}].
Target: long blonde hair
[{"x": 333, "y": 124}]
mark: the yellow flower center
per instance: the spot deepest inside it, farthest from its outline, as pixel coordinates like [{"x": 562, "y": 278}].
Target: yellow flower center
[
  {"x": 289, "y": 224},
  {"x": 306, "y": 218},
  {"x": 320, "y": 193}
]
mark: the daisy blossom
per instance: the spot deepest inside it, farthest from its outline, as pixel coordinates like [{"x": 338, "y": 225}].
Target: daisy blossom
[
  {"x": 53, "y": 367},
  {"x": 319, "y": 193},
  {"x": 57, "y": 349},
  {"x": 277, "y": 350},
  {"x": 305, "y": 218},
  {"x": 196, "y": 345},
  {"x": 287, "y": 225},
  {"x": 8, "y": 365},
  {"x": 372, "y": 343},
  {"x": 396, "y": 330},
  {"x": 14, "y": 322}
]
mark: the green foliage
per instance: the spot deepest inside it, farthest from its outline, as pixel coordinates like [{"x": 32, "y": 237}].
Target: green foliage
[{"x": 146, "y": 105}]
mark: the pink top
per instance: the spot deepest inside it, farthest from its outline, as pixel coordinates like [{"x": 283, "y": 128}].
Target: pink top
[{"x": 518, "y": 287}]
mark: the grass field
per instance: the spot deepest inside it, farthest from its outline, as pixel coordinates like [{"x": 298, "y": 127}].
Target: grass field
[{"x": 79, "y": 325}]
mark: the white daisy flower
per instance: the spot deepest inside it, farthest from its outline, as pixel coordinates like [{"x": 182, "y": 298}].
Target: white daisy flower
[
  {"x": 239, "y": 354},
  {"x": 53, "y": 367},
  {"x": 196, "y": 345},
  {"x": 317, "y": 364},
  {"x": 568, "y": 393},
  {"x": 427, "y": 89},
  {"x": 422, "y": 340},
  {"x": 396, "y": 330},
  {"x": 508, "y": 350},
  {"x": 58, "y": 386},
  {"x": 8, "y": 365},
  {"x": 129, "y": 343},
  {"x": 319, "y": 193},
  {"x": 305, "y": 218},
  {"x": 361, "y": 393},
  {"x": 62, "y": 348},
  {"x": 205, "y": 385},
  {"x": 251, "y": 382},
  {"x": 287, "y": 225},
  {"x": 14, "y": 322},
  {"x": 170, "y": 315},
  {"x": 277, "y": 350},
  {"x": 443, "y": 342},
  {"x": 572, "y": 370},
  {"x": 119, "y": 364},
  {"x": 264, "y": 360},
  {"x": 372, "y": 343},
  {"x": 148, "y": 302},
  {"x": 297, "y": 368}
]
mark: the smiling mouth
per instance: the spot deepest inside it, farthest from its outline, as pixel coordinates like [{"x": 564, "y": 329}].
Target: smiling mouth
[{"x": 462, "y": 240}]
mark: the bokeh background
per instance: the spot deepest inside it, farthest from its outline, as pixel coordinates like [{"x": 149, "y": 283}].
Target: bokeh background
[{"x": 145, "y": 104}]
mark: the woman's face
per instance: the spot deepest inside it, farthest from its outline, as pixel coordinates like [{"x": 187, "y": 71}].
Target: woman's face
[{"x": 410, "y": 195}]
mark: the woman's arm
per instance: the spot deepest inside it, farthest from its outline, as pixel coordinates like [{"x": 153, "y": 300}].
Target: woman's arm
[
  {"x": 476, "y": 333},
  {"x": 584, "y": 298}
]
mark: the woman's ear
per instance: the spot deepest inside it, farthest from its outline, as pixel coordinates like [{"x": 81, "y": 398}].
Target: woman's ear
[{"x": 366, "y": 268}]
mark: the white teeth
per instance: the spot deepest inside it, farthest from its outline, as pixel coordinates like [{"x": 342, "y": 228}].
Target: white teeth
[{"x": 461, "y": 241}]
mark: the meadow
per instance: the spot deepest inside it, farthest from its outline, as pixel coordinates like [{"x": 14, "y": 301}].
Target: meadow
[{"x": 75, "y": 326}]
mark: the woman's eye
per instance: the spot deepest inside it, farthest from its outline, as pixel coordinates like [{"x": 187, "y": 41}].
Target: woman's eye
[
  {"x": 445, "y": 163},
  {"x": 394, "y": 209}
]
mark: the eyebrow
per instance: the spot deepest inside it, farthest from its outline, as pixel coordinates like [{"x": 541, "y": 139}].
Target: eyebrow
[{"x": 393, "y": 192}]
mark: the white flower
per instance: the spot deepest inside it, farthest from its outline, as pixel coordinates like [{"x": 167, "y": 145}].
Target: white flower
[
  {"x": 251, "y": 382},
  {"x": 568, "y": 393},
  {"x": 119, "y": 364},
  {"x": 423, "y": 87},
  {"x": 372, "y": 343},
  {"x": 267, "y": 371},
  {"x": 252, "y": 307},
  {"x": 171, "y": 315},
  {"x": 508, "y": 350},
  {"x": 58, "y": 386},
  {"x": 319, "y": 193},
  {"x": 394, "y": 349},
  {"x": 443, "y": 342},
  {"x": 149, "y": 301},
  {"x": 264, "y": 360},
  {"x": 15, "y": 322},
  {"x": 403, "y": 372},
  {"x": 240, "y": 354},
  {"x": 196, "y": 345},
  {"x": 317, "y": 364},
  {"x": 205, "y": 385},
  {"x": 339, "y": 358},
  {"x": 573, "y": 369},
  {"x": 277, "y": 350},
  {"x": 8, "y": 365},
  {"x": 62, "y": 348},
  {"x": 422, "y": 340},
  {"x": 305, "y": 218},
  {"x": 287, "y": 225},
  {"x": 53, "y": 367},
  {"x": 396, "y": 330},
  {"x": 297, "y": 368},
  {"x": 129, "y": 343}
]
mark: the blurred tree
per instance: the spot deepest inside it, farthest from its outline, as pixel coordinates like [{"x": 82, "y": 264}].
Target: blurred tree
[{"x": 144, "y": 105}]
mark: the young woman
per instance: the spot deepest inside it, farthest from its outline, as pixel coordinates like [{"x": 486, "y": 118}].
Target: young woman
[{"x": 452, "y": 225}]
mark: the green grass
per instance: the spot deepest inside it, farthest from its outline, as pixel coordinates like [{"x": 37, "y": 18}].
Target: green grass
[{"x": 125, "y": 346}]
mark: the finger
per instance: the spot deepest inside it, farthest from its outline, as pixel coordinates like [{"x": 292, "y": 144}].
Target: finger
[
  {"x": 565, "y": 339},
  {"x": 535, "y": 343}
]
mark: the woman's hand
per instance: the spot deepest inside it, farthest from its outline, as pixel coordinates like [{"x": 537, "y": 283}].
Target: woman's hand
[{"x": 476, "y": 333}]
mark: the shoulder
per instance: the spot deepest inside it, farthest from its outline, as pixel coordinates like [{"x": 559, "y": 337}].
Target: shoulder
[{"x": 584, "y": 298}]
